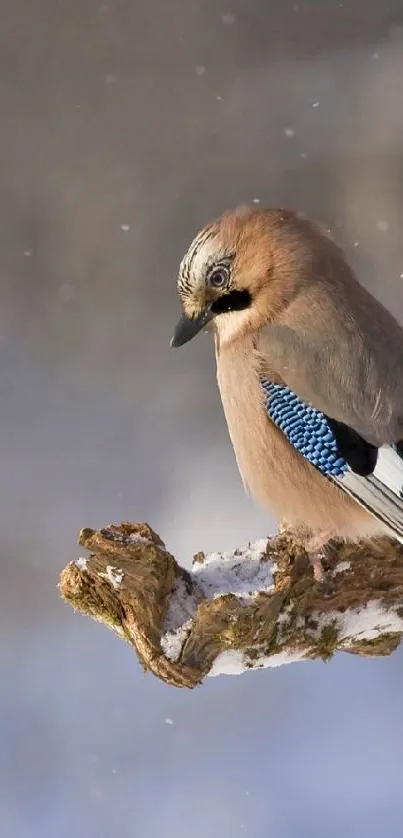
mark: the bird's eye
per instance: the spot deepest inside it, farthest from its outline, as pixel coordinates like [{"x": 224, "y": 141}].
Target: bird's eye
[{"x": 219, "y": 277}]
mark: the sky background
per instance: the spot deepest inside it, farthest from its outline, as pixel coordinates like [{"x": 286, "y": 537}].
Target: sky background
[{"x": 125, "y": 126}]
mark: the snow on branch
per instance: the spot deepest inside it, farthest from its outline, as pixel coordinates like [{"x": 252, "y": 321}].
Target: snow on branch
[{"x": 255, "y": 607}]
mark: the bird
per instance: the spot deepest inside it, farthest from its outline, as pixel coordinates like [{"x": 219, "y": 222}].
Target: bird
[{"x": 310, "y": 373}]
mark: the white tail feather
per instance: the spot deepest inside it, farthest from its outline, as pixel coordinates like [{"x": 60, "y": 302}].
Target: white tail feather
[{"x": 382, "y": 492}]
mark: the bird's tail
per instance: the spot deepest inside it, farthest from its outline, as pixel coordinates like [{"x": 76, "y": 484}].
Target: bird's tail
[{"x": 382, "y": 491}]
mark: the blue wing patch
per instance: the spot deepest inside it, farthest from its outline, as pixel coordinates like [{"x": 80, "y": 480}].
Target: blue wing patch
[
  {"x": 309, "y": 431},
  {"x": 306, "y": 428}
]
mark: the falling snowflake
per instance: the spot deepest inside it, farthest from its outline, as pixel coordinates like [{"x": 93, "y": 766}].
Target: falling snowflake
[{"x": 66, "y": 292}]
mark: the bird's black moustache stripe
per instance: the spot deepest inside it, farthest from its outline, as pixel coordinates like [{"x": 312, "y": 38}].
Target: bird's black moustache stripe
[{"x": 234, "y": 301}]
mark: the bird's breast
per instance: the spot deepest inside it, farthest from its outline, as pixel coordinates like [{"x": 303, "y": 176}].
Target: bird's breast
[{"x": 273, "y": 471}]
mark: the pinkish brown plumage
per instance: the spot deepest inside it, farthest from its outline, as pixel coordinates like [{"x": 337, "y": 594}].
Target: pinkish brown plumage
[{"x": 283, "y": 303}]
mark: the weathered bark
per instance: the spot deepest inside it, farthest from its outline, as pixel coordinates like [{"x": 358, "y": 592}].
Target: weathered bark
[{"x": 259, "y": 606}]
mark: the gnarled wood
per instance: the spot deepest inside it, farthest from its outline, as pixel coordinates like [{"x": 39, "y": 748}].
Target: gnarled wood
[{"x": 259, "y": 606}]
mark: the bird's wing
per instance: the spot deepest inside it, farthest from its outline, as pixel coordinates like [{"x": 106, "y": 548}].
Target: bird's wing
[
  {"x": 309, "y": 430},
  {"x": 353, "y": 377}
]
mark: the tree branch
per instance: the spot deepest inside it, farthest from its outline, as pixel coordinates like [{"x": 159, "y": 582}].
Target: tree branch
[{"x": 255, "y": 607}]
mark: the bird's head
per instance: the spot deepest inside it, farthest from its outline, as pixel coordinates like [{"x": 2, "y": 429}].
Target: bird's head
[{"x": 236, "y": 274}]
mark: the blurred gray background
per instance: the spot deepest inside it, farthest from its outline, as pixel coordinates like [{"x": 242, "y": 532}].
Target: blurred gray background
[{"x": 124, "y": 127}]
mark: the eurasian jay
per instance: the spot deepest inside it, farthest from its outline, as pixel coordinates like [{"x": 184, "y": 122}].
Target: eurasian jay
[{"x": 310, "y": 371}]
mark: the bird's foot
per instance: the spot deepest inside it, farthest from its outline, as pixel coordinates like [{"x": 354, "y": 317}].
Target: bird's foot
[
  {"x": 317, "y": 547},
  {"x": 316, "y": 562}
]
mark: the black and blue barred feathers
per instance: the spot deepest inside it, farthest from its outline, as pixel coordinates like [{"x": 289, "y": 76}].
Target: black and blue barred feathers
[
  {"x": 307, "y": 429},
  {"x": 312, "y": 434}
]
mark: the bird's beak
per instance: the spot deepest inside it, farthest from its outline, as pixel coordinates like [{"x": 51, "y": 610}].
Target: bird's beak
[{"x": 188, "y": 327}]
